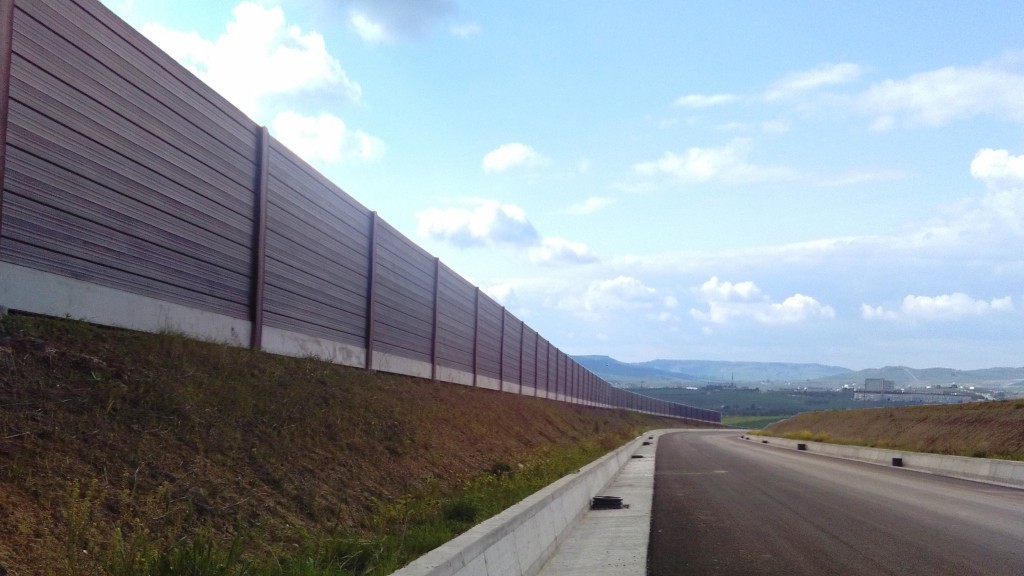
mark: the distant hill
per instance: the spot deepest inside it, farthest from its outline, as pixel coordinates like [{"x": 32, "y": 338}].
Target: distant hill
[
  {"x": 905, "y": 376},
  {"x": 656, "y": 373},
  {"x": 665, "y": 372}
]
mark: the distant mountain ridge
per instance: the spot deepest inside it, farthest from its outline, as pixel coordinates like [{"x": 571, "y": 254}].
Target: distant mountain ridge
[{"x": 658, "y": 373}]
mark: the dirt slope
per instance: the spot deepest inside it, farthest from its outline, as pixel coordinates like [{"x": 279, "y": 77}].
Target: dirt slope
[
  {"x": 982, "y": 429},
  {"x": 108, "y": 434}
]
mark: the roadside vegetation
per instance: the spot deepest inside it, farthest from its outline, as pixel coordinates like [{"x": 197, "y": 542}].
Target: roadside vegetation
[
  {"x": 978, "y": 429},
  {"x": 752, "y": 422},
  {"x": 124, "y": 453}
]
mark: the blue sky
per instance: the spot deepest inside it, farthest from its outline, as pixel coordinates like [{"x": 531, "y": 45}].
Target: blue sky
[{"x": 786, "y": 181}]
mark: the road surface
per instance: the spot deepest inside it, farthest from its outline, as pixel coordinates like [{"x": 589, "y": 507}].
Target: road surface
[{"x": 727, "y": 506}]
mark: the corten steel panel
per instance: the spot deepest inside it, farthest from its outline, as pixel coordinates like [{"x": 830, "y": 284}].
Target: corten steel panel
[
  {"x": 456, "y": 318},
  {"x": 317, "y": 253},
  {"x": 543, "y": 367},
  {"x": 6, "y": 38},
  {"x": 510, "y": 352},
  {"x": 529, "y": 357},
  {"x": 127, "y": 202},
  {"x": 552, "y": 370},
  {"x": 488, "y": 361},
  {"x": 119, "y": 47},
  {"x": 561, "y": 374},
  {"x": 105, "y": 88},
  {"x": 404, "y": 296},
  {"x": 317, "y": 200},
  {"x": 36, "y": 237},
  {"x": 115, "y": 163},
  {"x": 84, "y": 188}
]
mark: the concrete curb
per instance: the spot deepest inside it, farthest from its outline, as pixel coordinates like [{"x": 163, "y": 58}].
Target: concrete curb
[
  {"x": 519, "y": 540},
  {"x": 1002, "y": 472}
]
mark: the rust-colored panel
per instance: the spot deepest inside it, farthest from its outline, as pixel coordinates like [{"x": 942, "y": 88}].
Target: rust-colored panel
[{"x": 122, "y": 49}]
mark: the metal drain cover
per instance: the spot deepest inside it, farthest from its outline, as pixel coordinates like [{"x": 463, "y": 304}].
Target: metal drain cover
[{"x": 606, "y": 503}]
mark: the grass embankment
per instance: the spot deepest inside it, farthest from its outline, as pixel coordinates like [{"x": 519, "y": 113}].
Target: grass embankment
[
  {"x": 979, "y": 429},
  {"x": 128, "y": 453}
]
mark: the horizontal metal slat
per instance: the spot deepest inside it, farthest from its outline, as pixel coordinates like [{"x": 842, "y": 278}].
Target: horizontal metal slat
[
  {"x": 138, "y": 108},
  {"x": 133, "y": 57},
  {"x": 51, "y": 186}
]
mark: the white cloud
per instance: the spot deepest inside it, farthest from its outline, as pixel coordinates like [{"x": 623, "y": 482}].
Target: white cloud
[
  {"x": 615, "y": 294},
  {"x": 825, "y": 75},
  {"x": 727, "y": 301},
  {"x": 725, "y": 164},
  {"x": 367, "y": 29},
  {"x": 257, "y": 56},
  {"x": 937, "y": 97},
  {"x": 588, "y": 206},
  {"x": 511, "y": 155},
  {"x": 503, "y": 294},
  {"x": 487, "y": 223},
  {"x": 998, "y": 167},
  {"x": 943, "y": 307},
  {"x": 715, "y": 289},
  {"x": 324, "y": 137},
  {"x": 553, "y": 250},
  {"x": 390, "y": 20},
  {"x": 704, "y": 100}
]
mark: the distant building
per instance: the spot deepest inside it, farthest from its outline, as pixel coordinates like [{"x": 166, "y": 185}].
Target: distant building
[
  {"x": 916, "y": 397},
  {"x": 879, "y": 385}
]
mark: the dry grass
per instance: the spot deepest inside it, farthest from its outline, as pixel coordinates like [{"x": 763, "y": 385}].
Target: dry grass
[
  {"x": 980, "y": 429},
  {"x": 113, "y": 443}
]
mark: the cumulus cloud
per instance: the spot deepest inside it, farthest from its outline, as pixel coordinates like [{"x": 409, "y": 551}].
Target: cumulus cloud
[
  {"x": 257, "y": 56},
  {"x": 704, "y": 100},
  {"x": 377, "y": 21},
  {"x": 511, "y": 155},
  {"x": 503, "y": 294},
  {"x": 727, "y": 301},
  {"x": 825, "y": 75},
  {"x": 998, "y": 167},
  {"x": 939, "y": 96},
  {"x": 554, "y": 250},
  {"x": 487, "y": 223},
  {"x": 368, "y": 29},
  {"x": 491, "y": 223},
  {"x": 725, "y": 164},
  {"x": 944, "y": 307},
  {"x": 588, "y": 206},
  {"x": 324, "y": 137},
  {"x": 614, "y": 294}
]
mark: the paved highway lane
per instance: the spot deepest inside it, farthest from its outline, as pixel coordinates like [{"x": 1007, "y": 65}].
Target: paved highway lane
[{"x": 727, "y": 506}]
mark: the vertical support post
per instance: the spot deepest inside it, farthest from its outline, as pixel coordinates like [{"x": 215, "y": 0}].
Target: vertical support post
[
  {"x": 259, "y": 265},
  {"x": 6, "y": 50},
  {"x": 501, "y": 354},
  {"x": 547, "y": 369},
  {"x": 433, "y": 339},
  {"x": 522, "y": 334},
  {"x": 536, "y": 363},
  {"x": 476, "y": 336},
  {"x": 371, "y": 292}
]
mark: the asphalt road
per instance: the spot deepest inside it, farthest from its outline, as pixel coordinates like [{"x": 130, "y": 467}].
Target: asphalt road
[{"x": 724, "y": 506}]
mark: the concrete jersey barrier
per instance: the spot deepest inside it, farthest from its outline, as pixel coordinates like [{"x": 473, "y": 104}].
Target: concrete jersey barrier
[
  {"x": 519, "y": 540},
  {"x": 1003, "y": 472}
]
